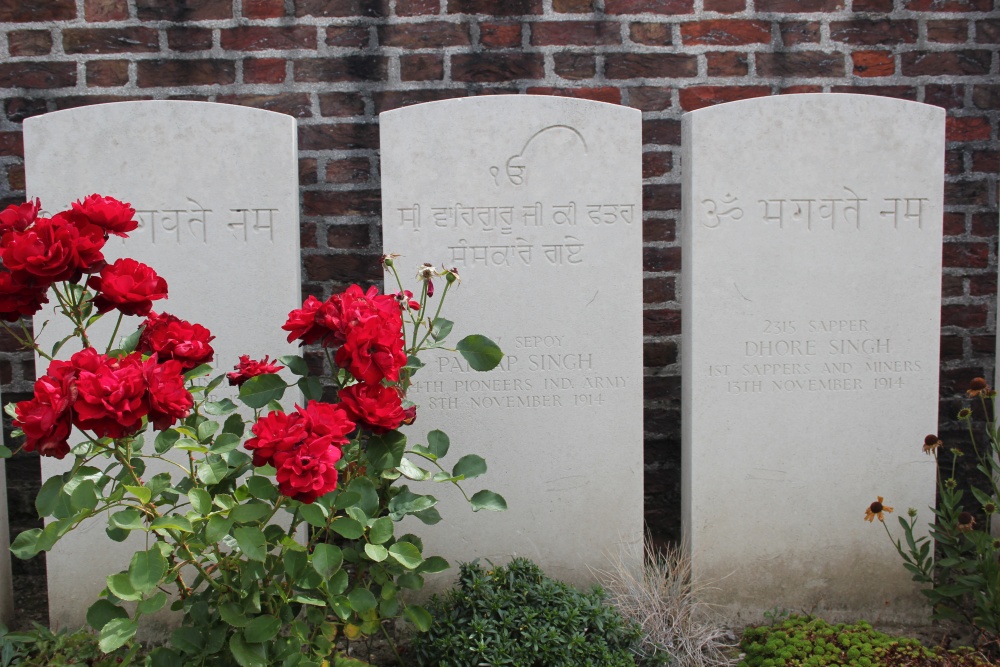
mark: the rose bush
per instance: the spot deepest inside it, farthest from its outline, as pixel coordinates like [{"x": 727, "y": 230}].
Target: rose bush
[{"x": 273, "y": 531}]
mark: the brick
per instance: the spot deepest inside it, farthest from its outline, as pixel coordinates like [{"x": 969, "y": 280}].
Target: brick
[
  {"x": 264, "y": 70},
  {"x": 11, "y": 144},
  {"x": 656, "y": 163},
  {"x": 432, "y": 35},
  {"x": 199, "y": 72},
  {"x": 98, "y": 11},
  {"x": 981, "y": 285},
  {"x": 111, "y": 40},
  {"x": 342, "y": 8},
  {"x": 650, "y": 65},
  {"x": 725, "y": 6},
  {"x": 107, "y": 73},
  {"x": 953, "y": 162},
  {"x": 946, "y": 63},
  {"x": 965, "y": 317},
  {"x": 726, "y": 32},
  {"x": 805, "y": 64},
  {"x": 29, "y": 42},
  {"x": 341, "y": 104},
  {"x": 948, "y": 96},
  {"x": 394, "y": 99},
  {"x": 799, "y": 32},
  {"x": 874, "y": 33},
  {"x": 661, "y": 131},
  {"x": 348, "y": 37},
  {"x": 949, "y": 5},
  {"x": 24, "y": 11},
  {"x": 988, "y": 32},
  {"x": 421, "y": 67},
  {"x": 307, "y": 233},
  {"x": 417, "y": 7},
  {"x": 661, "y": 197},
  {"x": 660, "y": 353},
  {"x": 258, "y": 38},
  {"x": 608, "y": 94},
  {"x": 74, "y": 101},
  {"x": 986, "y": 161},
  {"x": 349, "y": 170},
  {"x": 984, "y": 225},
  {"x": 307, "y": 172},
  {"x": 338, "y": 136},
  {"x": 967, "y": 128},
  {"x": 954, "y": 224},
  {"x": 495, "y": 7},
  {"x": 573, "y": 6},
  {"x": 650, "y": 98},
  {"x": 953, "y": 287},
  {"x": 343, "y": 268},
  {"x": 500, "y": 35},
  {"x": 347, "y": 68},
  {"x": 986, "y": 96},
  {"x": 657, "y": 229},
  {"x": 727, "y": 63},
  {"x": 488, "y": 67},
  {"x": 670, "y": 7},
  {"x": 703, "y": 96},
  {"x": 800, "y": 89},
  {"x": 873, "y": 63},
  {"x": 343, "y": 202},
  {"x": 18, "y": 108},
  {"x": 263, "y": 9},
  {"x": 798, "y": 6},
  {"x": 966, "y": 255},
  {"x": 291, "y": 104},
  {"x": 661, "y": 322},
  {"x": 948, "y": 32},
  {"x": 15, "y": 176},
  {"x": 189, "y": 10},
  {"x": 873, "y": 5},
  {"x": 33, "y": 74},
  {"x": 575, "y": 65},
  {"x": 575, "y": 33},
  {"x": 899, "y": 92},
  {"x": 651, "y": 34},
  {"x": 967, "y": 193},
  {"x": 189, "y": 39},
  {"x": 658, "y": 290},
  {"x": 348, "y": 237}
]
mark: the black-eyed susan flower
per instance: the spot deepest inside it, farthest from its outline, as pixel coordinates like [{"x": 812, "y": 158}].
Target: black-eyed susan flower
[
  {"x": 966, "y": 522},
  {"x": 931, "y": 443},
  {"x": 977, "y": 387},
  {"x": 876, "y": 509},
  {"x": 964, "y": 414}
]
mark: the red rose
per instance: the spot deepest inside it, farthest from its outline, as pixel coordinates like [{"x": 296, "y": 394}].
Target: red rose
[
  {"x": 309, "y": 471},
  {"x": 373, "y": 351},
  {"x": 129, "y": 286},
  {"x": 111, "y": 215},
  {"x": 111, "y": 397},
  {"x": 302, "y": 322},
  {"x": 19, "y": 298},
  {"x": 168, "y": 399},
  {"x": 377, "y": 407},
  {"x": 275, "y": 432},
  {"x": 18, "y": 217},
  {"x": 327, "y": 420},
  {"x": 330, "y": 322},
  {"x": 46, "y": 419},
  {"x": 54, "y": 249},
  {"x": 169, "y": 337},
  {"x": 248, "y": 368}
]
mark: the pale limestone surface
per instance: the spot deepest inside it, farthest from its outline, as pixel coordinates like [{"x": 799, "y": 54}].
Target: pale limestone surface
[
  {"x": 216, "y": 191},
  {"x": 6, "y": 579},
  {"x": 537, "y": 202},
  {"x": 812, "y": 231}
]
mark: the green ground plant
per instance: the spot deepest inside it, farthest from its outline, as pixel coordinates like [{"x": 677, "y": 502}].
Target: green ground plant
[
  {"x": 515, "y": 615},
  {"x": 41, "y": 647}
]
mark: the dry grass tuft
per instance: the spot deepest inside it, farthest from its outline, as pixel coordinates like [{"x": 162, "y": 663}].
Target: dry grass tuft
[{"x": 656, "y": 592}]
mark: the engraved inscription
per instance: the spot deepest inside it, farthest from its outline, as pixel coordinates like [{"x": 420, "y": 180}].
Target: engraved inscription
[
  {"x": 506, "y": 219},
  {"x": 197, "y": 224},
  {"x": 516, "y": 168}
]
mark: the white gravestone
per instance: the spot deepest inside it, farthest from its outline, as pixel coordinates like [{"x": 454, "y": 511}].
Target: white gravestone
[
  {"x": 812, "y": 295},
  {"x": 537, "y": 202},
  {"x": 6, "y": 577},
  {"x": 215, "y": 190}
]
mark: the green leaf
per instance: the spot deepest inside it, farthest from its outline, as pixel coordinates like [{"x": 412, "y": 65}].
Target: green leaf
[
  {"x": 146, "y": 570},
  {"x": 257, "y": 391},
  {"x": 218, "y": 408},
  {"x": 412, "y": 471},
  {"x": 206, "y": 430},
  {"x": 481, "y": 353},
  {"x": 362, "y": 600},
  {"x": 216, "y": 381},
  {"x": 368, "y": 500},
  {"x": 313, "y": 514},
  {"x": 419, "y": 616},
  {"x": 407, "y": 502},
  {"x": 406, "y": 554},
  {"x": 153, "y": 604},
  {"x": 165, "y": 440},
  {"x": 469, "y": 467},
  {"x": 347, "y": 527},
  {"x": 234, "y": 424},
  {"x": 5, "y": 452},
  {"x": 429, "y": 516},
  {"x": 48, "y": 496},
  {"x": 201, "y": 501},
  {"x": 295, "y": 364},
  {"x": 261, "y": 487},
  {"x": 311, "y": 388},
  {"x": 120, "y": 585},
  {"x": 247, "y": 655},
  {"x": 442, "y": 328},
  {"x": 212, "y": 470},
  {"x": 386, "y": 451},
  {"x": 171, "y": 522},
  {"x": 413, "y": 362},
  {"x": 103, "y": 611},
  {"x": 380, "y": 531},
  {"x": 188, "y": 639},
  {"x": 232, "y": 613},
  {"x": 116, "y": 633},
  {"x": 198, "y": 371},
  {"x": 130, "y": 342},
  {"x": 84, "y": 496},
  {"x": 127, "y": 519},
  {"x": 217, "y": 528},
  {"x": 487, "y": 500},
  {"x": 376, "y": 552},
  {"x": 433, "y": 565},
  {"x": 140, "y": 492},
  {"x": 261, "y": 629},
  {"x": 327, "y": 559},
  {"x": 252, "y": 511},
  {"x": 225, "y": 442},
  {"x": 252, "y": 542},
  {"x": 438, "y": 443}
]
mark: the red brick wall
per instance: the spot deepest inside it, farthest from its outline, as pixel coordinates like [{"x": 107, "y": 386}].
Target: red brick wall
[{"x": 335, "y": 64}]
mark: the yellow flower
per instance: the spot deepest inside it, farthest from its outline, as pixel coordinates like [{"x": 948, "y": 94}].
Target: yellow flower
[
  {"x": 876, "y": 509},
  {"x": 931, "y": 443}
]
